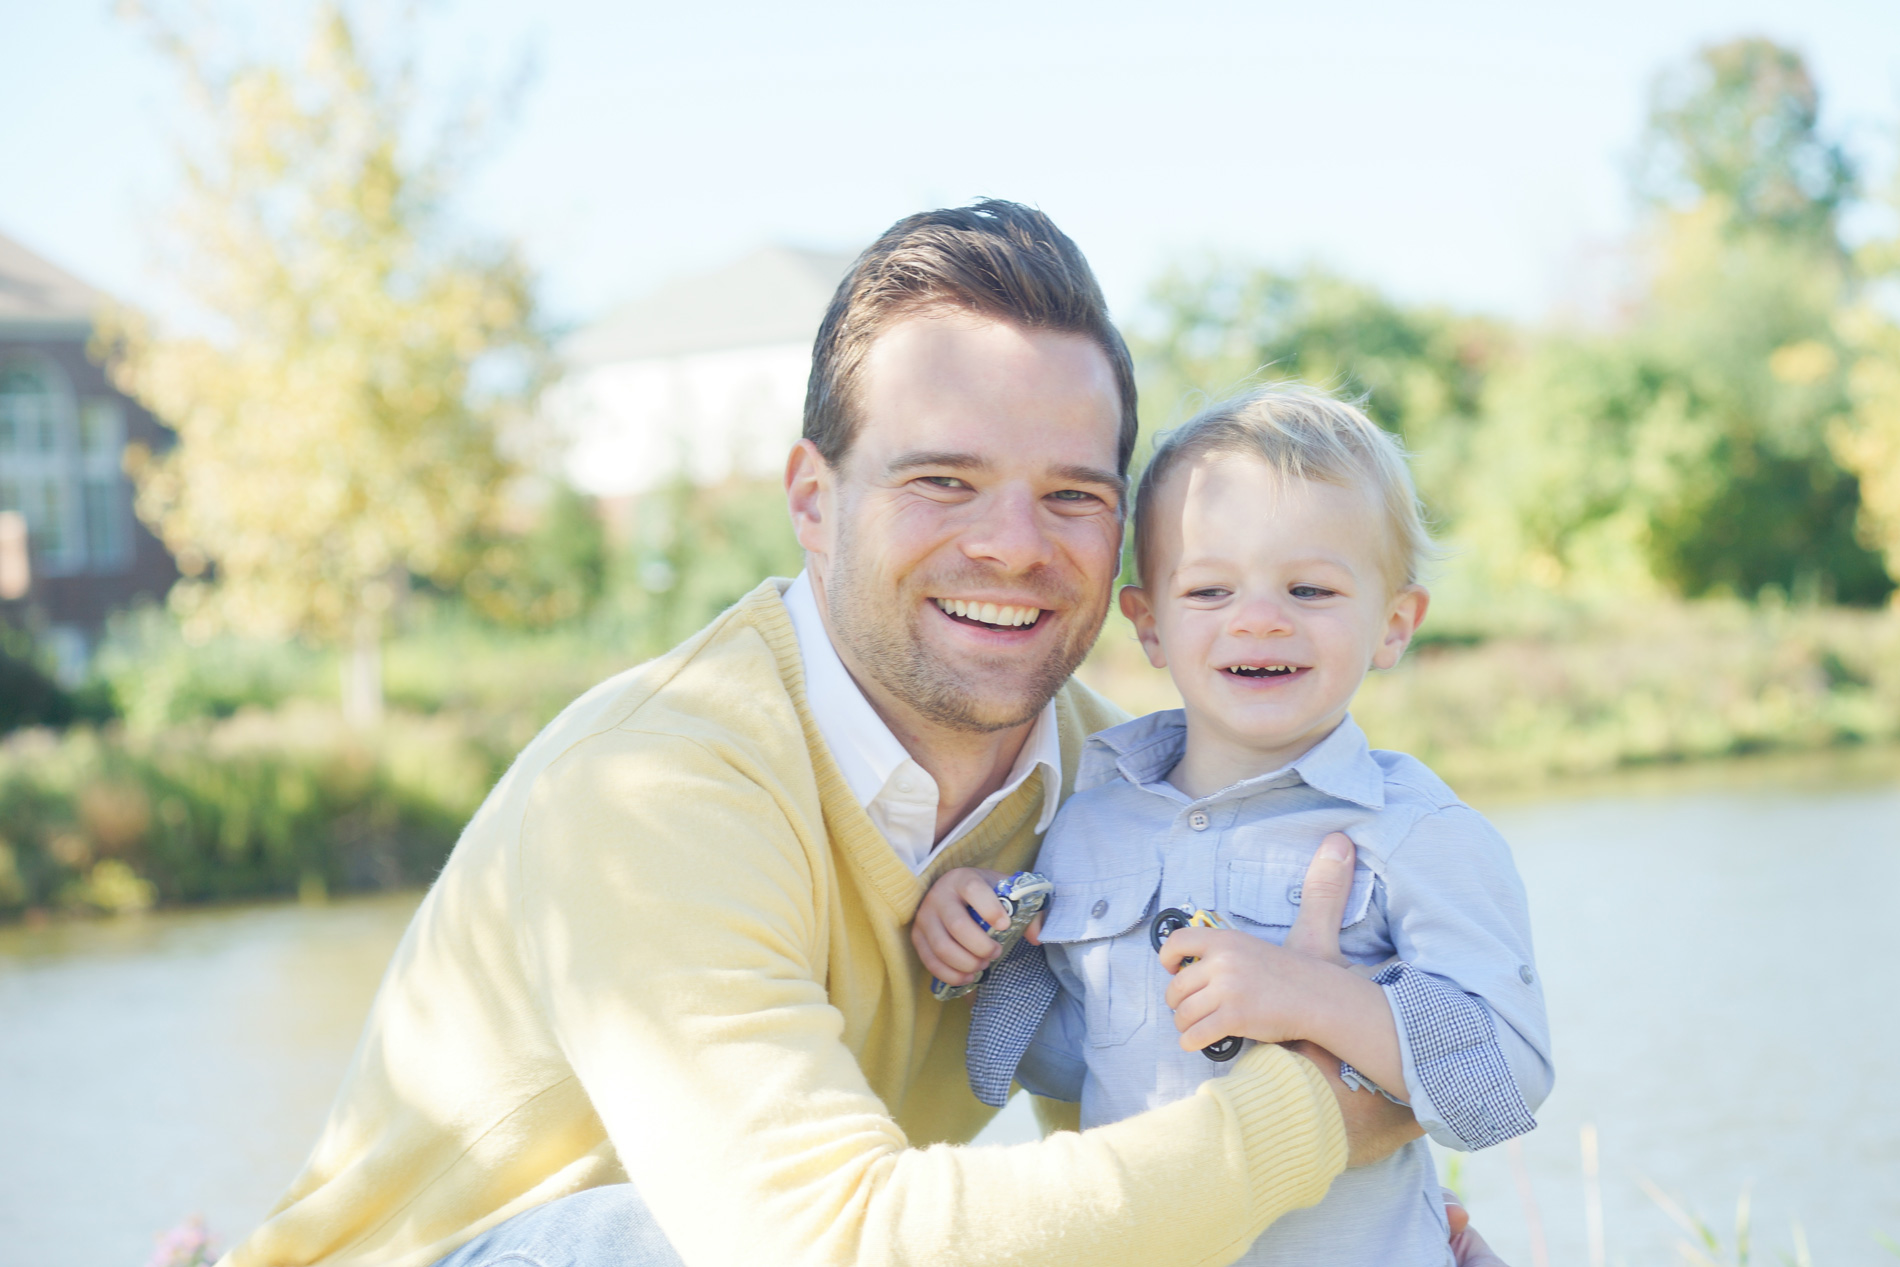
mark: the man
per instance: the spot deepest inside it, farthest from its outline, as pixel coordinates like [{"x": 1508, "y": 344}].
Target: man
[{"x": 661, "y": 1006}]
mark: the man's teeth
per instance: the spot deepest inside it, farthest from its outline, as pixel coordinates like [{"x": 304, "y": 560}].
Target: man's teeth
[
  {"x": 1261, "y": 670},
  {"x": 990, "y": 613}
]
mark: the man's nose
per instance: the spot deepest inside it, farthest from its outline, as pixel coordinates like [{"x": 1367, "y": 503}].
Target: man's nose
[{"x": 1009, "y": 532}]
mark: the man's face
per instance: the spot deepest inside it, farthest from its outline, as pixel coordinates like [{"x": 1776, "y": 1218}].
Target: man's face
[{"x": 966, "y": 547}]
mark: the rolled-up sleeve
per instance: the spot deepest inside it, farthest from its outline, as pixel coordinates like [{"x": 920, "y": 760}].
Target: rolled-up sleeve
[{"x": 1465, "y": 994}]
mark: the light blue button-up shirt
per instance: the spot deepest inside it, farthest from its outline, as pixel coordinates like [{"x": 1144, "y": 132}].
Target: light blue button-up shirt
[{"x": 1435, "y": 896}]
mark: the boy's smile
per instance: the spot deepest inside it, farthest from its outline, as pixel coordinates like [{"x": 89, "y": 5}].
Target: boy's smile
[{"x": 1270, "y": 600}]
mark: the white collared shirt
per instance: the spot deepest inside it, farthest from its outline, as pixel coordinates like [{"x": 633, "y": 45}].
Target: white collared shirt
[{"x": 899, "y": 795}]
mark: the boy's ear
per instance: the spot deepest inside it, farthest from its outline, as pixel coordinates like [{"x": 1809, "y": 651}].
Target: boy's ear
[
  {"x": 1141, "y": 614},
  {"x": 1402, "y": 621}
]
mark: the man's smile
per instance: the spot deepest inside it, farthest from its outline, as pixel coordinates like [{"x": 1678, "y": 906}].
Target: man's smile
[{"x": 1002, "y": 617}]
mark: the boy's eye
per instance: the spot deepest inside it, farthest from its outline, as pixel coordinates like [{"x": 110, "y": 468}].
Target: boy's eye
[
  {"x": 1209, "y": 592},
  {"x": 1310, "y": 591}
]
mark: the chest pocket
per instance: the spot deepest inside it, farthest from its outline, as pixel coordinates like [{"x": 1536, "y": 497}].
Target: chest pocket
[
  {"x": 1101, "y": 926},
  {"x": 1269, "y": 892}
]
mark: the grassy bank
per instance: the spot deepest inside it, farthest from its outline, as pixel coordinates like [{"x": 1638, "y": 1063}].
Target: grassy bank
[
  {"x": 112, "y": 820},
  {"x": 1598, "y": 692},
  {"x": 232, "y": 774}
]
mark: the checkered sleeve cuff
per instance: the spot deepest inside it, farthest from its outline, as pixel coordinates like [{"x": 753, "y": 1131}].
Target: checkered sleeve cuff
[
  {"x": 1456, "y": 1057},
  {"x": 1010, "y": 1004}
]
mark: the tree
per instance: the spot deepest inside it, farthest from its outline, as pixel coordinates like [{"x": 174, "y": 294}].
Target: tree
[
  {"x": 1690, "y": 448},
  {"x": 1420, "y": 370},
  {"x": 1740, "y": 122},
  {"x": 1866, "y": 438},
  {"x": 335, "y": 436}
]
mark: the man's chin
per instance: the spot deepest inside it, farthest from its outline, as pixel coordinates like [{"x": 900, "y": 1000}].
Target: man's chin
[{"x": 978, "y": 694}]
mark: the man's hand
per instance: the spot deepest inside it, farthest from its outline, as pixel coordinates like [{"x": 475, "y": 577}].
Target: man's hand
[
  {"x": 954, "y": 947},
  {"x": 1375, "y": 1126}
]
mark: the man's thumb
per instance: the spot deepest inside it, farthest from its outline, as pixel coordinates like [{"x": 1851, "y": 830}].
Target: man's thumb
[{"x": 1323, "y": 895}]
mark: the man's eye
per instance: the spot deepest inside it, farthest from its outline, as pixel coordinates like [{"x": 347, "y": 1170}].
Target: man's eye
[
  {"x": 1310, "y": 591},
  {"x": 944, "y": 481},
  {"x": 1072, "y": 495}
]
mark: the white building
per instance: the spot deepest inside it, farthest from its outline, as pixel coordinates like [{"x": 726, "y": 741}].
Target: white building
[{"x": 705, "y": 376}]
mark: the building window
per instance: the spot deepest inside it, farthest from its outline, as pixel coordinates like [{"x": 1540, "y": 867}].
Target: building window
[
  {"x": 60, "y": 467},
  {"x": 103, "y": 494}
]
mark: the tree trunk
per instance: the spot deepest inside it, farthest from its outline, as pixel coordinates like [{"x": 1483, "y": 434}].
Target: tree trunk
[{"x": 363, "y": 673}]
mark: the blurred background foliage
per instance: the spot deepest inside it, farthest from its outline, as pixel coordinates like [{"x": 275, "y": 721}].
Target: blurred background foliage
[{"x": 1672, "y": 522}]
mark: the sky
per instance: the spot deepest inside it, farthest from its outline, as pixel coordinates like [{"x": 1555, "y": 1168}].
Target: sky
[{"x": 1468, "y": 153}]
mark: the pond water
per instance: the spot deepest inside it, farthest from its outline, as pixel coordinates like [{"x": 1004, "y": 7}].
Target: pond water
[{"x": 1714, "y": 950}]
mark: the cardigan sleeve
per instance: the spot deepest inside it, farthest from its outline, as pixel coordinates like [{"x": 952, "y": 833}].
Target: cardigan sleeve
[{"x": 669, "y": 917}]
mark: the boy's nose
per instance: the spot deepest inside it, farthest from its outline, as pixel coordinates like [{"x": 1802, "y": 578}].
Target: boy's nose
[{"x": 1260, "y": 618}]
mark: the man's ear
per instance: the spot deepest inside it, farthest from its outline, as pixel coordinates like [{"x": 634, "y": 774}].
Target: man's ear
[
  {"x": 1141, "y": 614},
  {"x": 808, "y": 495},
  {"x": 1407, "y": 613}
]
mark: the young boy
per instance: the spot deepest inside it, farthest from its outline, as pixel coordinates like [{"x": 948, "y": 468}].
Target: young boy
[{"x": 1278, "y": 542}]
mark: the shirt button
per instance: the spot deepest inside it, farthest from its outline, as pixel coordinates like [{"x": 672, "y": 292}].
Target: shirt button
[
  {"x": 903, "y": 785},
  {"x": 1198, "y": 820},
  {"x": 1293, "y": 892},
  {"x": 1099, "y": 909},
  {"x": 1525, "y": 974}
]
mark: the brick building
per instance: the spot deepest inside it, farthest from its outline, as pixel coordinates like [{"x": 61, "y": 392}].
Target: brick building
[{"x": 63, "y": 433}]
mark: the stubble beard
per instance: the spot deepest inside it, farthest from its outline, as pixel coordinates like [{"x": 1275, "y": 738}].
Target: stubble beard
[{"x": 881, "y": 631}]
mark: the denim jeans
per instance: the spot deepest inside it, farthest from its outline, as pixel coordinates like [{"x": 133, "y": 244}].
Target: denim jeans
[{"x": 596, "y": 1228}]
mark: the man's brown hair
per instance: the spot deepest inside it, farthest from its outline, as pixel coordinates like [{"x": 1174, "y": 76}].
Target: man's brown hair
[{"x": 999, "y": 259}]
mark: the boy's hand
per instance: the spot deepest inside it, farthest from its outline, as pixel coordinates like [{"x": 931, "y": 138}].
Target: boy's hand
[
  {"x": 955, "y": 948},
  {"x": 1242, "y": 986},
  {"x": 1255, "y": 988}
]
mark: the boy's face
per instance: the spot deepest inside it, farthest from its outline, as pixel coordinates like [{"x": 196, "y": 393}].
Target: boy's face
[{"x": 1269, "y": 602}]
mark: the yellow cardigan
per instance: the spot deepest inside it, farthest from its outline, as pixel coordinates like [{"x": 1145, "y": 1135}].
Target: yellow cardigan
[{"x": 672, "y": 948}]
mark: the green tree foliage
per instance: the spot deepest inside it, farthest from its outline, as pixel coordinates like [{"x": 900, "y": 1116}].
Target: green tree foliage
[
  {"x": 1866, "y": 438},
  {"x": 1740, "y": 122},
  {"x": 1716, "y": 439},
  {"x": 1689, "y": 447},
  {"x": 697, "y": 549},
  {"x": 334, "y": 435},
  {"x": 1420, "y": 370},
  {"x": 554, "y": 572}
]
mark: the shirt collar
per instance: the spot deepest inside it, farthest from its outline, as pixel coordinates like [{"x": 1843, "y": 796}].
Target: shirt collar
[
  {"x": 1143, "y": 751},
  {"x": 867, "y": 753}
]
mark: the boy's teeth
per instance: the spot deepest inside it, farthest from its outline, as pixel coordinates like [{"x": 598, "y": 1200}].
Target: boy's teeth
[
  {"x": 990, "y": 613},
  {"x": 1261, "y": 670}
]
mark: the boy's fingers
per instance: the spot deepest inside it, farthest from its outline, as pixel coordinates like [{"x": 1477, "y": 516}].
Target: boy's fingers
[
  {"x": 1190, "y": 980},
  {"x": 970, "y": 935},
  {"x": 979, "y": 893},
  {"x": 1323, "y": 896},
  {"x": 1205, "y": 1033},
  {"x": 1033, "y": 934},
  {"x": 1186, "y": 943},
  {"x": 948, "y": 954},
  {"x": 1194, "y": 1010}
]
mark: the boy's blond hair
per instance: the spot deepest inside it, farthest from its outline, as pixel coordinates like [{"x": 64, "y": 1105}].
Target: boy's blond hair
[{"x": 1303, "y": 433}]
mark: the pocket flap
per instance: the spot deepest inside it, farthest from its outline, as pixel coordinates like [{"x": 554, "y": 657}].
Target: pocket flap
[
  {"x": 1107, "y": 906},
  {"x": 1269, "y": 892}
]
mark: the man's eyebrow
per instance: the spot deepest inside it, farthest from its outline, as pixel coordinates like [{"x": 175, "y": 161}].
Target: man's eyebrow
[
  {"x": 942, "y": 458},
  {"x": 1093, "y": 475},
  {"x": 947, "y": 460}
]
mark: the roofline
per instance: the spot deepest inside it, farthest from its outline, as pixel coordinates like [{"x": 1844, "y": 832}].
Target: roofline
[{"x": 29, "y": 327}]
